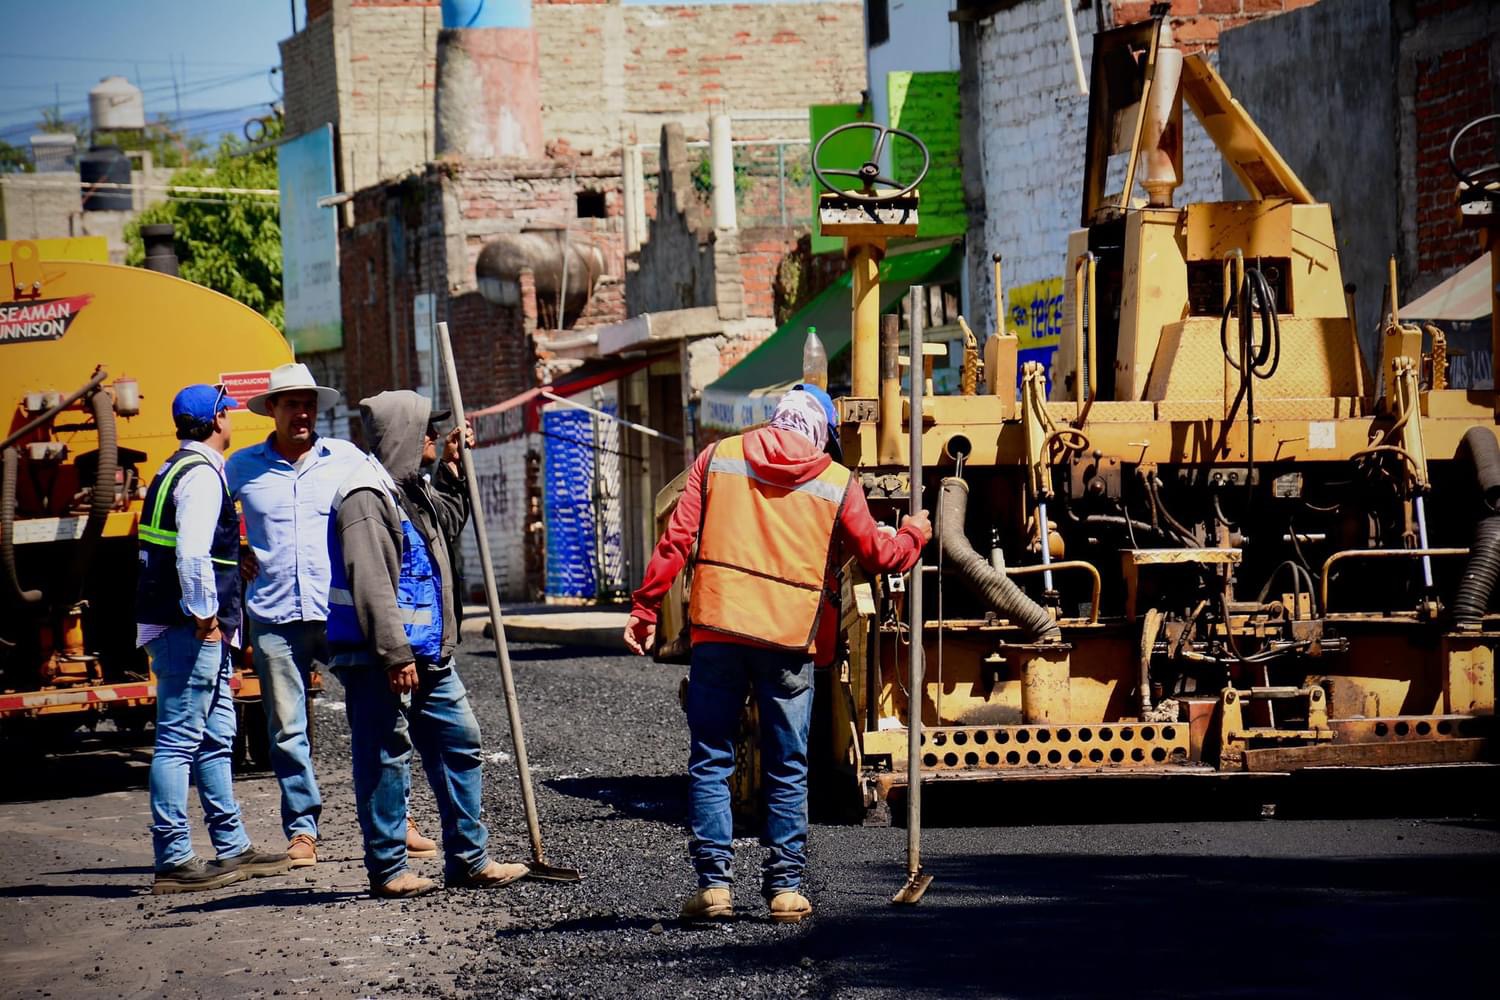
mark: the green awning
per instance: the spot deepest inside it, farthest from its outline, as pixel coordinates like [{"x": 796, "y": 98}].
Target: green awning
[{"x": 747, "y": 393}]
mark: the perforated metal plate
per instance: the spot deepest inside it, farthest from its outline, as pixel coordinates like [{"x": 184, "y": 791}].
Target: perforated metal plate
[{"x": 1084, "y": 747}]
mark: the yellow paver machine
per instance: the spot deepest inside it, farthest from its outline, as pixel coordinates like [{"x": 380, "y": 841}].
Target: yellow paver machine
[
  {"x": 91, "y": 354},
  {"x": 1218, "y": 545}
]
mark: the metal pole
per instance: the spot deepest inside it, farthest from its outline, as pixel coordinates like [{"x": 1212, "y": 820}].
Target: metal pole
[
  {"x": 865, "y": 363},
  {"x": 916, "y": 881},
  {"x": 539, "y": 866},
  {"x": 1422, "y": 542},
  {"x": 1041, "y": 516}
]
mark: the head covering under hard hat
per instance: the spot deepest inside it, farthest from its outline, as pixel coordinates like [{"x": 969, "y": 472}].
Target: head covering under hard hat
[
  {"x": 201, "y": 403},
  {"x": 801, "y": 410}
]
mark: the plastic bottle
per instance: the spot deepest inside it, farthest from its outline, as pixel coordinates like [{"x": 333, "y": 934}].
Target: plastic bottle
[{"x": 814, "y": 360}]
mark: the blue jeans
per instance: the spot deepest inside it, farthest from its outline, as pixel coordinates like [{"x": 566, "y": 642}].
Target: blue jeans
[
  {"x": 782, "y": 682},
  {"x": 284, "y": 656},
  {"x": 383, "y": 727},
  {"x": 194, "y": 738}
]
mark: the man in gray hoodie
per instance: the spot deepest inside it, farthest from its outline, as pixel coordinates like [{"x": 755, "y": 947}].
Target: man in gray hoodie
[{"x": 392, "y": 628}]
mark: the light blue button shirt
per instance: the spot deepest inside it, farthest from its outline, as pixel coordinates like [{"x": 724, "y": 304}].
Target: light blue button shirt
[{"x": 286, "y": 509}]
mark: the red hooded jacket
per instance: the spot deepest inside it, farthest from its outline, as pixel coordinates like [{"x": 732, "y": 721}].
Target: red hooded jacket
[{"x": 784, "y": 458}]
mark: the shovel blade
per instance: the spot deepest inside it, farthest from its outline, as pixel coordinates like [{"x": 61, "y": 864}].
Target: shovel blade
[
  {"x": 912, "y": 892},
  {"x": 543, "y": 872}
]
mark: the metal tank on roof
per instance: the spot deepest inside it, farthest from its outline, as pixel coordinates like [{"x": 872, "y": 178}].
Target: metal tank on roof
[{"x": 116, "y": 103}]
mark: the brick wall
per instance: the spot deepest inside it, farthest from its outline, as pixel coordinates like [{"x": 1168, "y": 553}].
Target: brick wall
[
  {"x": 423, "y": 233},
  {"x": 309, "y": 69},
  {"x": 761, "y": 253},
  {"x": 1452, "y": 89},
  {"x": 1196, "y": 24},
  {"x": 604, "y": 65},
  {"x": 676, "y": 261},
  {"x": 367, "y": 66},
  {"x": 1031, "y": 125}
]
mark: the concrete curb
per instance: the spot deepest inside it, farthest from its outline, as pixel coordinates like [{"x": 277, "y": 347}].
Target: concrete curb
[{"x": 592, "y": 629}]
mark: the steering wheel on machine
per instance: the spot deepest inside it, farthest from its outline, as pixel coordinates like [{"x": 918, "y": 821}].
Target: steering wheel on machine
[
  {"x": 1468, "y": 177},
  {"x": 869, "y": 173}
]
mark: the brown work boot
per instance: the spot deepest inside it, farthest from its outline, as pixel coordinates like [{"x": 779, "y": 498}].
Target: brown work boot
[
  {"x": 193, "y": 875},
  {"x": 303, "y": 850},
  {"x": 403, "y": 886},
  {"x": 492, "y": 876},
  {"x": 716, "y": 903},
  {"x": 418, "y": 846},
  {"x": 256, "y": 864},
  {"x": 789, "y": 907}
]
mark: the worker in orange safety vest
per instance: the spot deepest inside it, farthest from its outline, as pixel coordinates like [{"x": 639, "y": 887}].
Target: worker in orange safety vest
[{"x": 772, "y": 514}]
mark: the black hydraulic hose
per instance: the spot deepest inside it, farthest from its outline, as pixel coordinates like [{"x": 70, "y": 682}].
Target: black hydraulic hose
[
  {"x": 1254, "y": 361},
  {"x": 1485, "y": 454},
  {"x": 1131, "y": 526},
  {"x": 102, "y": 496},
  {"x": 1483, "y": 568},
  {"x": 51, "y": 415},
  {"x": 1480, "y": 573},
  {"x": 10, "y": 462},
  {"x": 991, "y": 584}
]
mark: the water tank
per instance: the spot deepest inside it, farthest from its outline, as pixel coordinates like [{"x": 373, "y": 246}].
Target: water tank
[
  {"x": 99, "y": 169},
  {"x": 161, "y": 250},
  {"x": 53, "y": 152},
  {"x": 116, "y": 103}
]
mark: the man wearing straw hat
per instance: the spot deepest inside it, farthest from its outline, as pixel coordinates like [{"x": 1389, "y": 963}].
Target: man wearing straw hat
[{"x": 285, "y": 486}]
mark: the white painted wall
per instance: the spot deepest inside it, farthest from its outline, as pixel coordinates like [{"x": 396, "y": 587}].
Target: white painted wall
[
  {"x": 502, "y": 489},
  {"x": 1033, "y": 127}
]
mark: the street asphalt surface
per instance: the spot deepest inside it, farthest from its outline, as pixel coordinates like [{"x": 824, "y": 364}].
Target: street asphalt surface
[{"x": 1369, "y": 886}]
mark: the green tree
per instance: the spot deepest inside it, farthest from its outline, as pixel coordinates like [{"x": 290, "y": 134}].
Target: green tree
[
  {"x": 14, "y": 159},
  {"x": 229, "y": 242}
]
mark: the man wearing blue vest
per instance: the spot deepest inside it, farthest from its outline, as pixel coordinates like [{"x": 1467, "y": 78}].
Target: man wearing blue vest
[
  {"x": 188, "y": 617},
  {"x": 392, "y": 628}
]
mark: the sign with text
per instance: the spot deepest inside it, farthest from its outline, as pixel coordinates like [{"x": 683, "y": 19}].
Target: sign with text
[
  {"x": 1034, "y": 313},
  {"x": 926, "y": 105},
  {"x": 240, "y": 386},
  {"x": 309, "y": 243},
  {"x": 41, "y": 319}
]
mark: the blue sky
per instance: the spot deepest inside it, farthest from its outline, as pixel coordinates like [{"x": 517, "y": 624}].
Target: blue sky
[{"x": 210, "y": 58}]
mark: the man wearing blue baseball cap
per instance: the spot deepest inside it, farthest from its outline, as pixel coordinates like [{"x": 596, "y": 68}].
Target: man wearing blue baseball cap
[{"x": 188, "y": 616}]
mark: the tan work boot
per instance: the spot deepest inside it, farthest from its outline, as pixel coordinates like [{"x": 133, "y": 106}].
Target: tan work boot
[
  {"x": 403, "y": 886},
  {"x": 303, "y": 851},
  {"x": 716, "y": 903},
  {"x": 492, "y": 876},
  {"x": 418, "y": 846},
  {"x": 790, "y": 907}
]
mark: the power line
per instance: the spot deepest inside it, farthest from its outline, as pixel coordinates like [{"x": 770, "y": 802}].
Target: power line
[
  {"x": 116, "y": 59},
  {"x": 156, "y": 90}
]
